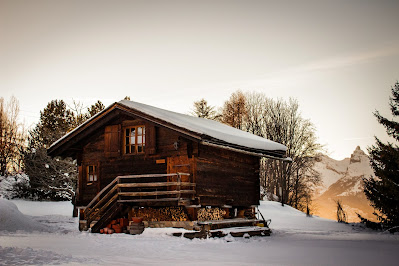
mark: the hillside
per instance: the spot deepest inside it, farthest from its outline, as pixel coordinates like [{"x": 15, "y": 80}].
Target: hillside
[{"x": 342, "y": 180}]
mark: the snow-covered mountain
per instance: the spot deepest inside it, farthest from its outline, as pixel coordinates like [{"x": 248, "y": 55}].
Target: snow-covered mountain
[{"x": 342, "y": 180}]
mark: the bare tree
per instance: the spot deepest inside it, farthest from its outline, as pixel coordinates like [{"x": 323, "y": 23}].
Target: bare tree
[
  {"x": 79, "y": 115},
  {"x": 12, "y": 136},
  {"x": 234, "y": 110},
  {"x": 82, "y": 113},
  {"x": 293, "y": 181},
  {"x": 280, "y": 121},
  {"x": 255, "y": 105}
]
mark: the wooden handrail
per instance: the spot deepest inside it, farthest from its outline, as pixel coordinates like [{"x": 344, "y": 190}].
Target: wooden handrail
[
  {"x": 131, "y": 176},
  {"x": 151, "y": 175},
  {"x": 101, "y": 192},
  {"x": 107, "y": 195},
  {"x": 156, "y": 193},
  {"x": 157, "y": 184}
]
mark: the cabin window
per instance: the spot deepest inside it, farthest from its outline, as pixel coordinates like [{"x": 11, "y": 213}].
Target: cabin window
[
  {"x": 134, "y": 140},
  {"x": 91, "y": 173}
]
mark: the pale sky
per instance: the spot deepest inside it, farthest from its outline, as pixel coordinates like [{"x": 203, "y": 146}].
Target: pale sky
[{"x": 338, "y": 58}]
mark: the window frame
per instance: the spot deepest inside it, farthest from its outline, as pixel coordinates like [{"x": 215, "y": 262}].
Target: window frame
[
  {"x": 136, "y": 144},
  {"x": 95, "y": 174}
]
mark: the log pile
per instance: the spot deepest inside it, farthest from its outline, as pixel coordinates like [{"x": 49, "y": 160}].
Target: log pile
[
  {"x": 249, "y": 213},
  {"x": 206, "y": 214},
  {"x": 160, "y": 214},
  {"x": 115, "y": 226}
]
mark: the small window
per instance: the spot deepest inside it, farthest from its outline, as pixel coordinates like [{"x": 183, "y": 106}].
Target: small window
[
  {"x": 134, "y": 140},
  {"x": 91, "y": 173}
]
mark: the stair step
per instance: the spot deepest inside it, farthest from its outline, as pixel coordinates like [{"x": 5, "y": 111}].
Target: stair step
[
  {"x": 83, "y": 225},
  {"x": 106, "y": 217}
]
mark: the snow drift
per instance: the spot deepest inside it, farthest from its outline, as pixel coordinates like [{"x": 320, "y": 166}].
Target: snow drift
[
  {"x": 11, "y": 219},
  {"x": 296, "y": 240}
]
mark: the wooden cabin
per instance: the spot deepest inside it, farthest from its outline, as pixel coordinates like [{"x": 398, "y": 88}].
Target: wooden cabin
[{"x": 133, "y": 156}]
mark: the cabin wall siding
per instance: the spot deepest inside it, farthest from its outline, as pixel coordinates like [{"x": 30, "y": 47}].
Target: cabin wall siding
[
  {"x": 95, "y": 152},
  {"x": 226, "y": 177},
  {"x": 223, "y": 177}
]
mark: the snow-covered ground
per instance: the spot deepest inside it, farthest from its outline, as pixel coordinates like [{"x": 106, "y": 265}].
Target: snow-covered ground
[{"x": 53, "y": 238}]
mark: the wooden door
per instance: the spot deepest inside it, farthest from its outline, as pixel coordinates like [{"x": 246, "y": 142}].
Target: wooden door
[{"x": 180, "y": 164}]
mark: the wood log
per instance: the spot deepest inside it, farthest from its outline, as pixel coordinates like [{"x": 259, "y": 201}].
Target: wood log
[
  {"x": 160, "y": 214},
  {"x": 206, "y": 214}
]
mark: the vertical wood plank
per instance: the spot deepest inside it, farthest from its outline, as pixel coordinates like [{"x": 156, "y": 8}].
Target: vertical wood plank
[
  {"x": 79, "y": 191},
  {"x": 112, "y": 141},
  {"x": 151, "y": 138}
]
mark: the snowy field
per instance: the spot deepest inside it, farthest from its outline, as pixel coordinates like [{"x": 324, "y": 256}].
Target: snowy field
[{"x": 40, "y": 233}]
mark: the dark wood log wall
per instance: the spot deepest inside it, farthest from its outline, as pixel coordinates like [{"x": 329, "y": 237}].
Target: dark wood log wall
[
  {"x": 226, "y": 177},
  {"x": 110, "y": 165},
  {"x": 223, "y": 177}
]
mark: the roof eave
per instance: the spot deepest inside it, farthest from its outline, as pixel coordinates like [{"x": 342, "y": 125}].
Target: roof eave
[
  {"x": 265, "y": 153},
  {"x": 53, "y": 150}
]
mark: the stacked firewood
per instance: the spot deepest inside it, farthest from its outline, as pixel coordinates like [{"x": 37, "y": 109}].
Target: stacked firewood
[
  {"x": 161, "y": 214},
  {"x": 115, "y": 226},
  {"x": 206, "y": 214},
  {"x": 249, "y": 213}
]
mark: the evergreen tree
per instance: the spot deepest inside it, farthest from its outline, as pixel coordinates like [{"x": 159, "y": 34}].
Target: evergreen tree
[
  {"x": 341, "y": 214},
  {"x": 202, "y": 109},
  {"x": 383, "y": 190},
  {"x": 55, "y": 121},
  {"x": 50, "y": 178},
  {"x": 95, "y": 108}
]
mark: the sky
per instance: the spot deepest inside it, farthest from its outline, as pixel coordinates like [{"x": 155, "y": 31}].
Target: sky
[{"x": 339, "y": 59}]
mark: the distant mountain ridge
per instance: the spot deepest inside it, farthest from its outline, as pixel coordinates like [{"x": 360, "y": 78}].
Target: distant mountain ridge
[{"x": 342, "y": 180}]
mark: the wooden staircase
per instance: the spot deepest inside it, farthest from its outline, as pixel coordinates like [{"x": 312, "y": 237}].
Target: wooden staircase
[{"x": 136, "y": 190}]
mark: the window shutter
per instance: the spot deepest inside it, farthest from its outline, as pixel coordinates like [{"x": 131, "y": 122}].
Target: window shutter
[
  {"x": 151, "y": 138},
  {"x": 112, "y": 140}
]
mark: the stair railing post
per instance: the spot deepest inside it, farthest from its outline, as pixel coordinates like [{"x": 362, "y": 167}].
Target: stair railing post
[
  {"x": 119, "y": 188},
  {"x": 178, "y": 185}
]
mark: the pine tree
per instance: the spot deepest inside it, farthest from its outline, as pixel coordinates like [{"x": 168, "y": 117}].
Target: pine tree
[
  {"x": 202, "y": 109},
  {"x": 50, "y": 178},
  {"x": 383, "y": 190},
  {"x": 95, "y": 108},
  {"x": 55, "y": 120},
  {"x": 341, "y": 214}
]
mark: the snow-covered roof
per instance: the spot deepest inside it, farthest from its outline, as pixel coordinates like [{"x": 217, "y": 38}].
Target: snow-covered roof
[
  {"x": 210, "y": 128},
  {"x": 209, "y": 131}
]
